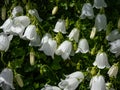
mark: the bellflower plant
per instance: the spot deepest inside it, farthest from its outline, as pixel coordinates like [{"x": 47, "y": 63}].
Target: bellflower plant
[
  {"x": 18, "y": 10},
  {"x": 60, "y": 26},
  {"x": 6, "y": 78},
  {"x": 64, "y": 49},
  {"x": 83, "y": 46},
  {"x": 101, "y": 60},
  {"x": 74, "y": 34},
  {"x": 97, "y": 83},
  {"x": 99, "y": 4},
  {"x": 100, "y": 22},
  {"x": 87, "y": 11}
]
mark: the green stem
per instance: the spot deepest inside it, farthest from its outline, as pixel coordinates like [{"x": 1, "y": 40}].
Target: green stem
[{"x": 2, "y": 53}]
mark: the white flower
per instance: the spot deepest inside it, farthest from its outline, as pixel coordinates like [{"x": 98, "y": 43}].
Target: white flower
[
  {"x": 60, "y": 26},
  {"x": 17, "y": 10},
  {"x": 74, "y": 34},
  {"x": 115, "y": 47},
  {"x": 34, "y": 12},
  {"x": 99, "y": 4},
  {"x": 113, "y": 71},
  {"x": 78, "y": 75},
  {"x": 69, "y": 84},
  {"x": 49, "y": 87},
  {"x": 97, "y": 83},
  {"x": 6, "y": 77},
  {"x": 49, "y": 47},
  {"x": 19, "y": 24},
  {"x": 114, "y": 35},
  {"x": 83, "y": 46},
  {"x": 93, "y": 32},
  {"x": 7, "y": 25},
  {"x": 100, "y": 22},
  {"x": 5, "y": 41},
  {"x": 30, "y": 32},
  {"x": 64, "y": 49},
  {"x": 87, "y": 11},
  {"x": 101, "y": 60}
]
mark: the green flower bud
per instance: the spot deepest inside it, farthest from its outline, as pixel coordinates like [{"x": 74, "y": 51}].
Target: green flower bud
[
  {"x": 3, "y": 13},
  {"x": 55, "y": 9},
  {"x": 19, "y": 80},
  {"x": 93, "y": 71},
  {"x": 32, "y": 58}
]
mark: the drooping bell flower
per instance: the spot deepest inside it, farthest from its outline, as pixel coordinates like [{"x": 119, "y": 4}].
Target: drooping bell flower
[
  {"x": 115, "y": 47},
  {"x": 60, "y": 26},
  {"x": 113, "y": 70},
  {"x": 101, "y": 60},
  {"x": 97, "y": 83},
  {"x": 5, "y": 41},
  {"x": 49, "y": 47},
  {"x": 7, "y": 25},
  {"x": 30, "y": 32},
  {"x": 100, "y": 22},
  {"x": 74, "y": 34},
  {"x": 99, "y": 4},
  {"x": 34, "y": 12},
  {"x": 69, "y": 84},
  {"x": 6, "y": 79},
  {"x": 18, "y": 10},
  {"x": 49, "y": 87},
  {"x": 19, "y": 25},
  {"x": 64, "y": 49},
  {"x": 87, "y": 11},
  {"x": 83, "y": 46},
  {"x": 78, "y": 75},
  {"x": 114, "y": 35}
]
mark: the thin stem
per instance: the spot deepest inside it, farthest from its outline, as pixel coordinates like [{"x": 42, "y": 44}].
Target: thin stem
[{"x": 2, "y": 53}]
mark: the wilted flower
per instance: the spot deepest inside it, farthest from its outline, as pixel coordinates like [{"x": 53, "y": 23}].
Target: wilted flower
[
  {"x": 30, "y": 32},
  {"x": 49, "y": 47},
  {"x": 83, "y": 46},
  {"x": 6, "y": 79},
  {"x": 78, "y": 75},
  {"x": 93, "y": 32},
  {"x": 60, "y": 26},
  {"x": 113, "y": 71},
  {"x": 101, "y": 60},
  {"x": 18, "y": 10},
  {"x": 99, "y": 4},
  {"x": 74, "y": 34},
  {"x": 5, "y": 41},
  {"x": 34, "y": 12},
  {"x": 69, "y": 84},
  {"x": 64, "y": 49},
  {"x": 97, "y": 83},
  {"x": 100, "y": 22},
  {"x": 115, "y": 47},
  {"x": 114, "y": 35},
  {"x": 87, "y": 11},
  {"x": 49, "y": 87},
  {"x": 19, "y": 24}
]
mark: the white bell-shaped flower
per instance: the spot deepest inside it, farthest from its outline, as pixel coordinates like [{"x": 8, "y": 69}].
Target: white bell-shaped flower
[
  {"x": 18, "y": 10},
  {"x": 49, "y": 47},
  {"x": 87, "y": 11},
  {"x": 100, "y": 22},
  {"x": 5, "y": 41},
  {"x": 60, "y": 26},
  {"x": 115, "y": 47},
  {"x": 83, "y": 46},
  {"x": 7, "y": 25},
  {"x": 64, "y": 49},
  {"x": 113, "y": 71},
  {"x": 34, "y": 12},
  {"x": 78, "y": 75},
  {"x": 49, "y": 87},
  {"x": 19, "y": 24},
  {"x": 74, "y": 34},
  {"x": 101, "y": 60},
  {"x": 69, "y": 84},
  {"x": 30, "y": 33},
  {"x": 99, "y": 4},
  {"x": 114, "y": 35},
  {"x": 97, "y": 83},
  {"x": 6, "y": 77}
]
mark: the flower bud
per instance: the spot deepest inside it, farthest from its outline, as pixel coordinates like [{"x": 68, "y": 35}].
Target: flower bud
[
  {"x": 55, "y": 9},
  {"x": 32, "y": 58},
  {"x": 93, "y": 32},
  {"x": 19, "y": 80},
  {"x": 93, "y": 71},
  {"x": 3, "y": 13}
]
